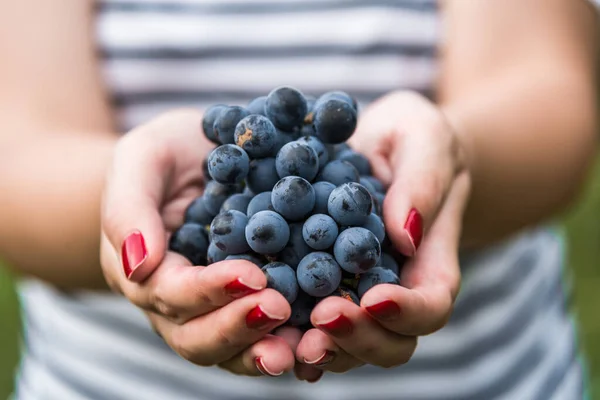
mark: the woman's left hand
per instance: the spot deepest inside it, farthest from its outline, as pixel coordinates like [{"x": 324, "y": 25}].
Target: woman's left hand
[{"x": 414, "y": 150}]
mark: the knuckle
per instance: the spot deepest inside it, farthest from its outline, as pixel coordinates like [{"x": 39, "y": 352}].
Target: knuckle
[
  {"x": 162, "y": 305},
  {"x": 228, "y": 339}
]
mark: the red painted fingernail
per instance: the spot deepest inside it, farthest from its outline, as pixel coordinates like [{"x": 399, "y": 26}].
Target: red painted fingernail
[
  {"x": 340, "y": 327},
  {"x": 257, "y": 318},
  {"x": 414, "y": 228},
  {"x": 263, "y": 369},
  {"x": 387, "y": 309},
  {"x": 238, "y": 288},
  {"x": 133, "y": 253},
  {"x": 325, "y": 359}
]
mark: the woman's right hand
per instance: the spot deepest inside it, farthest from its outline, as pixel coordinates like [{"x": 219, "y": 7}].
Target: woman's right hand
[{"x": 215, "y": 315}]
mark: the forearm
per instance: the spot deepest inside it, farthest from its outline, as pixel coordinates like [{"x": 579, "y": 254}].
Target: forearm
[
  {"x": 530, "y": 141},
  {"x": 50, "y": 214}
]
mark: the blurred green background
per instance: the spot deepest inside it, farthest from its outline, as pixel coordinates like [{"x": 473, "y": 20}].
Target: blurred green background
[{"x": 583, "y": 227}]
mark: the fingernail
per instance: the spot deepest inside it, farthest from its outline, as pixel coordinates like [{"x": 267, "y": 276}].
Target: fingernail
[
  {"x": 414, "y": 227},
  {"x": 324, "y": 359},
  {"x": 133, "y": 253},
  {"x": 258, "y": 319},
  {"x": 340, "y": 326},
  {"x": 316, "y": 379},
  {"x": 385, "y": 310},
  {"x": 263, "y": 369},
  {"x": 238, "y": 288}
]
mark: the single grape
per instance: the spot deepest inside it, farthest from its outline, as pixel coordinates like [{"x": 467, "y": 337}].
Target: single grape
[
  {"x": 320, "y": 231},
  {"x": 256, "y": 135},
  {"x": 350, "y": 204},
  {"x": 317, "y": 146},
  {"x": 267, "y": 232},
  {"x": 257, "y": 105},
  {"x": 297, "y": 159},
  {"x": 375, "y": 224},
  {"x": 260, "y": 202},
  {"x": 375, "y": 182},
  {"x": 334, "y": 121},
  {"x": 319, "y": 274},
  {"x": 225, "y": 123},
  {"x": 262, "y": 175},
  {"x": 368, "y": 185},
  {"x": 237, "y": 202},
  {"x": 282, "y": 277},
  {"x": 376, "y": 276},
  {"x": 387, "y": 261},
  {"x": 215, "y": 195},
  {"x": 338, "y": 172},
  {"x": 378, "y": 198},
  {"x": 357, "y": 250},
  {"x": 301, "y": 309},
  {"x": 227, "y": 232},
  {"x": 296, "y": 248},
  {"x": 208, "y": 121},
  {"x": 228, "y": 164},
  {"x": 338, "y": 95},
  {"x": 293, "y": 197},
  {"x": 190, "y": 241},
  {"x": 197, "y": 212},
  {"x": 286, "y": 108},
  {"x": 360, "y": 162},
  {"x": 322, "y": 191},
  {"x": 214, "y": 254},
  {"x": 247, "y": 257}
]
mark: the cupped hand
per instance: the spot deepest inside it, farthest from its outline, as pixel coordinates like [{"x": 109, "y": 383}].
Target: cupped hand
[
  {"x": 414, "y": 151},
  {"x": 217, "y": 315}
]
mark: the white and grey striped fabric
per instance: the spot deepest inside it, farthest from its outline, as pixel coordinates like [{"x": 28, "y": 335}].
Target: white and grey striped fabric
[{"x": 511, "y": 336}]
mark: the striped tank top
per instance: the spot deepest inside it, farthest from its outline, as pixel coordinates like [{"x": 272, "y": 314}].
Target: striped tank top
[{"x": 510, "y": 337}]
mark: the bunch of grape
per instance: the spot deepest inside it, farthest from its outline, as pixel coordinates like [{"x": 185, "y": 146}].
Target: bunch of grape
[{"x": 285, "y": 192}]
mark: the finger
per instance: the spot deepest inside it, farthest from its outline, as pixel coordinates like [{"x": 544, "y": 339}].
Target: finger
[
  {"x": 432, "y": 277},
  {"x": 318, "y": 350},
  {"x": 270, "y": 356},
  {"x": 143, "y": 164},
  {"x": 216, "y": 337},
  {"x": 353, "y": 330},
  {"x": 180, "y": 292},
  {"x": 292, "y": 337}
]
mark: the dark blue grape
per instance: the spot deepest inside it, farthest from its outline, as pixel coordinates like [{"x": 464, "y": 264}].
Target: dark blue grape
[
  {"x": 214, "y": 254},
  {"x": 297, "y": 159},
  {"x": 296, "y": 248},
  {"x": 320, "y": 231},
  {"x": 357, "y": 250},
  {"x": 257, "y": 105},
  {"x": 346, "y": 293},
  {"x": 208, "y": 121},
  {"x": 387, "y": 261},
  {"x": 284, "y": 138},
  {"x": 224, "y": 126},
  {"x": 256, "y": 135},
  {"x": 338, "y": 172},
  {"x": 247, "y": 191},
  {"x": 190, "y": 241},
  {"x": 262, "y": 175},
  {"x": 282, "y": 277},
  {"x": 215, "y": 195},
  {"x": 376, "y": 276},
  {"x": 378, "y": 198},
  {"x": 338, "y": 95},
  {"x": 197, "y": 212},
  {"x": 322, "y": 191},
  {"x": 375, "y": 182},
  {"x": 227, "y": 232},
  {"x": 319, "y": 274},
  {"x": 228, "y": 164},
  {"x": 375, "y": 224},
  {"x": 267, "y": 232},
  {"x": 334, "y": 121},
  {"x": 286, "y": 108},
  {"x": 293, "y": 197},
  {"x": 247, "y": 257},
  {"x": 238, "y": 202},
  {"x": 350, "y": 204},
  {"x": 260, "y": 202},
  {"x": 360, "y": 162},
  {"x": 318, "y": 147},
  {"x": 301, "y": 309},
  {"x": 368, "y": 185}
]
